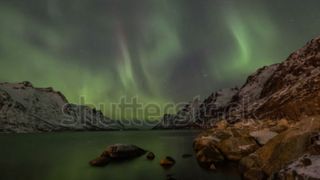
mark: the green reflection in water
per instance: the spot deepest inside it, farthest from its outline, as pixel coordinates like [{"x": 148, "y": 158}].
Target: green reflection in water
[{"x": 55, "y": 156}]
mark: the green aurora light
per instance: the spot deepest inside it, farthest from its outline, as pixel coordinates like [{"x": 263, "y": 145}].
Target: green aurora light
[{"x": 158, "y": 51}]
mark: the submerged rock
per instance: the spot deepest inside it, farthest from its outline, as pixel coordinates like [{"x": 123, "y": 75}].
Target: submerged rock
[
  {"x": 100, "y": 161},
  {"x": 124, "y": 151},
  {"x": 186, "y": 155},
  {"x": 117, "y": 152},
  {"x": 170, "y": 177},
  {"x": 150, "y": 156},
  {"x": 167, "y": 162}
]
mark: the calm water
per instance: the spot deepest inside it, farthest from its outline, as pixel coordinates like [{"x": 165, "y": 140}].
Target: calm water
[{"x": 56, "y": 156}]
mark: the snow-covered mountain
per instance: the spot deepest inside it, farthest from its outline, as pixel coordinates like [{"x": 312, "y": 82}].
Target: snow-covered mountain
[
  {"x": 193, "y": 114},
  {"x": 290, "y": 90},
  {"x": 24, "y": 108}
]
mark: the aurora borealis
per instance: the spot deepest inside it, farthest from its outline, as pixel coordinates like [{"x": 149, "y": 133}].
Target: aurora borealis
[{"x": 160, "y": 51}]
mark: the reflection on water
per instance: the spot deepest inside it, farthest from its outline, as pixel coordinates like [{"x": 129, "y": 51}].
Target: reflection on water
[{"x": 56, "y": 156}]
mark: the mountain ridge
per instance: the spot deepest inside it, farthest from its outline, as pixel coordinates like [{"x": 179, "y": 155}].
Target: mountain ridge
[
  {"x": 25, "y": 109},
  {"x": 265, "y": 89}
]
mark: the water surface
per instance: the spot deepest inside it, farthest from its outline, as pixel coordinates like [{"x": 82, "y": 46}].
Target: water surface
[{"x": 55, "y": 156}]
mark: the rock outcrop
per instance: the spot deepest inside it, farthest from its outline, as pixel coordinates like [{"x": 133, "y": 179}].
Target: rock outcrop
[
  {"x": 275, "y": 116},
  {"x": 24, "y": 108},
  {"x": 283, "y": 148},
  {"x": 216, "y": 146},
  {"x": 293, "y": 87},
  {"x": 262, "y": 154}
]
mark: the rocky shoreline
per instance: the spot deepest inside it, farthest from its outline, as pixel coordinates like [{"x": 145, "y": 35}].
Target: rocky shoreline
[{"x": 264, "y": 148}]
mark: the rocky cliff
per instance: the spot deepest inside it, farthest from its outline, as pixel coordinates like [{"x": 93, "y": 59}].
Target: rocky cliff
[
  {"x": 271, "y": 124},
  {"x": 288, "y": 90},
  {"x": 24, "y": 108}
]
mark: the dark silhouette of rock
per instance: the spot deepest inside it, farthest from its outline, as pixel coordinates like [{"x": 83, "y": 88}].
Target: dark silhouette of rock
[
  {"x": 117, "y": 152},
  {"x": 100, "y": 161},
  {"x": 150, "y": 156}
]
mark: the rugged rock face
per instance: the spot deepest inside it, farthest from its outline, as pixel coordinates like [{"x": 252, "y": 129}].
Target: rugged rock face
[
  {"x": 293, "y": 87},
  {"x": 24, "y": 108},
  {"x": 277, "y": 112},
  {"x": 224, "y": 144},
  {"x": 236, "y": 142},
  {"x": 306, "y": 167},
  {"x": 284, "y": 148}
]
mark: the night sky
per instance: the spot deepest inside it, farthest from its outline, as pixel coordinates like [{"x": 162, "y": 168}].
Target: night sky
[{"x": 161, "y": 51}]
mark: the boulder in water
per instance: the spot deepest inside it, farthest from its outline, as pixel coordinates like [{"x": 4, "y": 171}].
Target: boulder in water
[
  {"x": 150, "y": 156},
  {"x": 117, "y": 152},
  {"x": 124, "y": 151}
]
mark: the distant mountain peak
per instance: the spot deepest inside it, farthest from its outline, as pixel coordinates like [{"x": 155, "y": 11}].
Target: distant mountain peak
[{"x": 24, "y": 108}]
